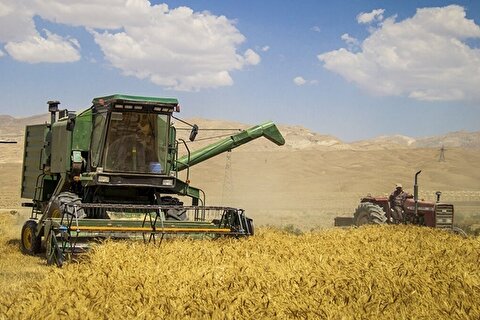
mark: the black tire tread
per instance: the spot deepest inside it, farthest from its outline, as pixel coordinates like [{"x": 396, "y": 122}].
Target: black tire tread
[
  {"x": 36, "y": 241},
  {"x": 375, "y": 213},
  {"x": 66, "y": 198}
]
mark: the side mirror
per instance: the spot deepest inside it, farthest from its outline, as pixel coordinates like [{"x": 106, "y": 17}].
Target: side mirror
[
  {"x": 71, "y": 120},
  {"x": 70, "y": 124},
  {"x": 193, "y": 133}
]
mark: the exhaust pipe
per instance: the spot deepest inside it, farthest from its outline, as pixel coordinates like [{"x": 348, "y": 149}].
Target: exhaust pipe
[
  {"x": 415, "y": 192},
  {"x": 53, "y": 108}
]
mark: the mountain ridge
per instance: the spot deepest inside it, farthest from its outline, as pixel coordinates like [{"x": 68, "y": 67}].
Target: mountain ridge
[{"x": 296, "y": 136}]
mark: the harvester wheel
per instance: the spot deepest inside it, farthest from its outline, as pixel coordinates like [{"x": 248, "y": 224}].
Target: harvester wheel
[
  {"x": 59, "y": 202},
  {"x": 30, "y": 244},
  {"x": 369, "y": 213}
]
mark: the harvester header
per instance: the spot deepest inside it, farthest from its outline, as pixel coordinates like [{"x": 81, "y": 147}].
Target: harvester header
[{"x": 119, "y": 158}]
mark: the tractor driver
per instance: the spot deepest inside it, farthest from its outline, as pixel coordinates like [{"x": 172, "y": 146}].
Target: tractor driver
[{"x": 397, "y": 199}]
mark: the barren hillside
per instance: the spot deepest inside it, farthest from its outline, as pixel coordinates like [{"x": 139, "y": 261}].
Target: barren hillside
[
  {"x": 310, "y": 179},
  {"x": 297, "y": 137}
]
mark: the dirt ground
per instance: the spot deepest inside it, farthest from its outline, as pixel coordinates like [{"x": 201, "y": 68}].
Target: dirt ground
[{"x": 308, "y": 188}]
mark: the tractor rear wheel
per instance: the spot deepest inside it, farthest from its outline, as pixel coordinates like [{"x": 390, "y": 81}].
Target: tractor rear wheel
[
  {"x": 369, "y": 213},
  {"x": 29, "y": 243}
]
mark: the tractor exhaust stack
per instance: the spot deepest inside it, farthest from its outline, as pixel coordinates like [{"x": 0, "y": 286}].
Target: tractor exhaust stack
[{"x": 415, "y": 192}]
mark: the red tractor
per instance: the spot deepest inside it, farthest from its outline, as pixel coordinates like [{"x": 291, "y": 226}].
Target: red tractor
[{"x": 378, "y": 210}]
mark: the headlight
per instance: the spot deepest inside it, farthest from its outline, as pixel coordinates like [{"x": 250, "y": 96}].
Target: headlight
[
  {"x": 167, "y": 182},
  {"x": 103, "y": 179}
]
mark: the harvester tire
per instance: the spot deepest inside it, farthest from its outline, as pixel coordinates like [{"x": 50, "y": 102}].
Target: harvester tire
[
  {"x": 65, "y": 201},
  {"x": 29, "y": 243},
  {"x": 369, "y": 213}
]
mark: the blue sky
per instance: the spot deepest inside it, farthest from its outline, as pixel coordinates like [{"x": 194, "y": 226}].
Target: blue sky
[{"x": 352, "y": 69}]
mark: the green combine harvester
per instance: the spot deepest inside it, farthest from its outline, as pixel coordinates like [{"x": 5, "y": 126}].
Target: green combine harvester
[{"x": 112, "y": 171}]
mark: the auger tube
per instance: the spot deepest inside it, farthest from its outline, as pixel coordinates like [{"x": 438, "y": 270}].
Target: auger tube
[{"x": 268, "y": 130}]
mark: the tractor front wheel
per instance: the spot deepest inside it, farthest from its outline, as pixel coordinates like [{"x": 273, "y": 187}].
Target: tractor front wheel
[
  {"x": 29, "y": 243},
  {"x": 369, "y": 213},
  {"x": 458, "y": 231},
  {"x": 250, "y": 226}
]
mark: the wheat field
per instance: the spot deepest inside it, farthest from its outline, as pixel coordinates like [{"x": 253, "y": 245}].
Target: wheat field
[
  {"x": 280, "y": 273},
  {"x": 356, "y": 273}
]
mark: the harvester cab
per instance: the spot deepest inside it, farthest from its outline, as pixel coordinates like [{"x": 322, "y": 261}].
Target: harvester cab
[{"x": 112, "y": 170}]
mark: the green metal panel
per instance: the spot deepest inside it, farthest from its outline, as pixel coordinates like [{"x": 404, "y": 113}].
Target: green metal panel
[
  {"x": 133, "y": 99},
  {"x": 61, "y": 147},
  {"x": 82, "y": 131},
  {"x": 172, "y": 152},
  {"x": 32, "y": 158}
]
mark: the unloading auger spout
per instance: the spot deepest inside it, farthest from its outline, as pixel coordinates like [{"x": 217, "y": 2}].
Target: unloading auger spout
[{"x": 268, "y": 130}]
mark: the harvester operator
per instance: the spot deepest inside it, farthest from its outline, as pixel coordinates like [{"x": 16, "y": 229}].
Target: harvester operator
[
  {"x": 134, "y": 149},
  {"x": 397, "y": 199},
  {"x": 146, "y": 137}
]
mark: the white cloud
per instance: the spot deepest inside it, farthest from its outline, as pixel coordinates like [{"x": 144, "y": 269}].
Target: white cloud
[
  {"x": 24, "y": 43},
  {"x": 316, "y": 29},
  {"x": 349, "y": 40},
  {"x": 265, "y": 48},
  {"x": 37, "y": 49},
  {"x": 16, "y": 21},
  {"x": 375, "y": 15},
  {"x": 299, "y": 81},
  {"x": 1, "y": 53},
  {"x": 424, "y": 57},
  {"x": 105, "y": 14},
  {"x": 176, "y": 48},
  {"x": 251, "y": 57}
]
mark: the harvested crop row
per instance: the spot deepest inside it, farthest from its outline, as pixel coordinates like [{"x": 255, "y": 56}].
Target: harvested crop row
[{"x": 366, "y": 273}]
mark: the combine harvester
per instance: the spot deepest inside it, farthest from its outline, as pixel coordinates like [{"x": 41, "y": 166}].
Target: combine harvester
[{"x": 112, "y": 171}]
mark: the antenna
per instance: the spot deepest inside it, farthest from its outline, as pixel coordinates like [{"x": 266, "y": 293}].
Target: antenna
[{"x": 441, "y": 158}]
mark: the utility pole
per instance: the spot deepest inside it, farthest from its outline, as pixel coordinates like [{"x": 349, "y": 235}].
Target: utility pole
[
  {"x": 441, "y": 158},
  {"x": 227, "y": 180}
]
